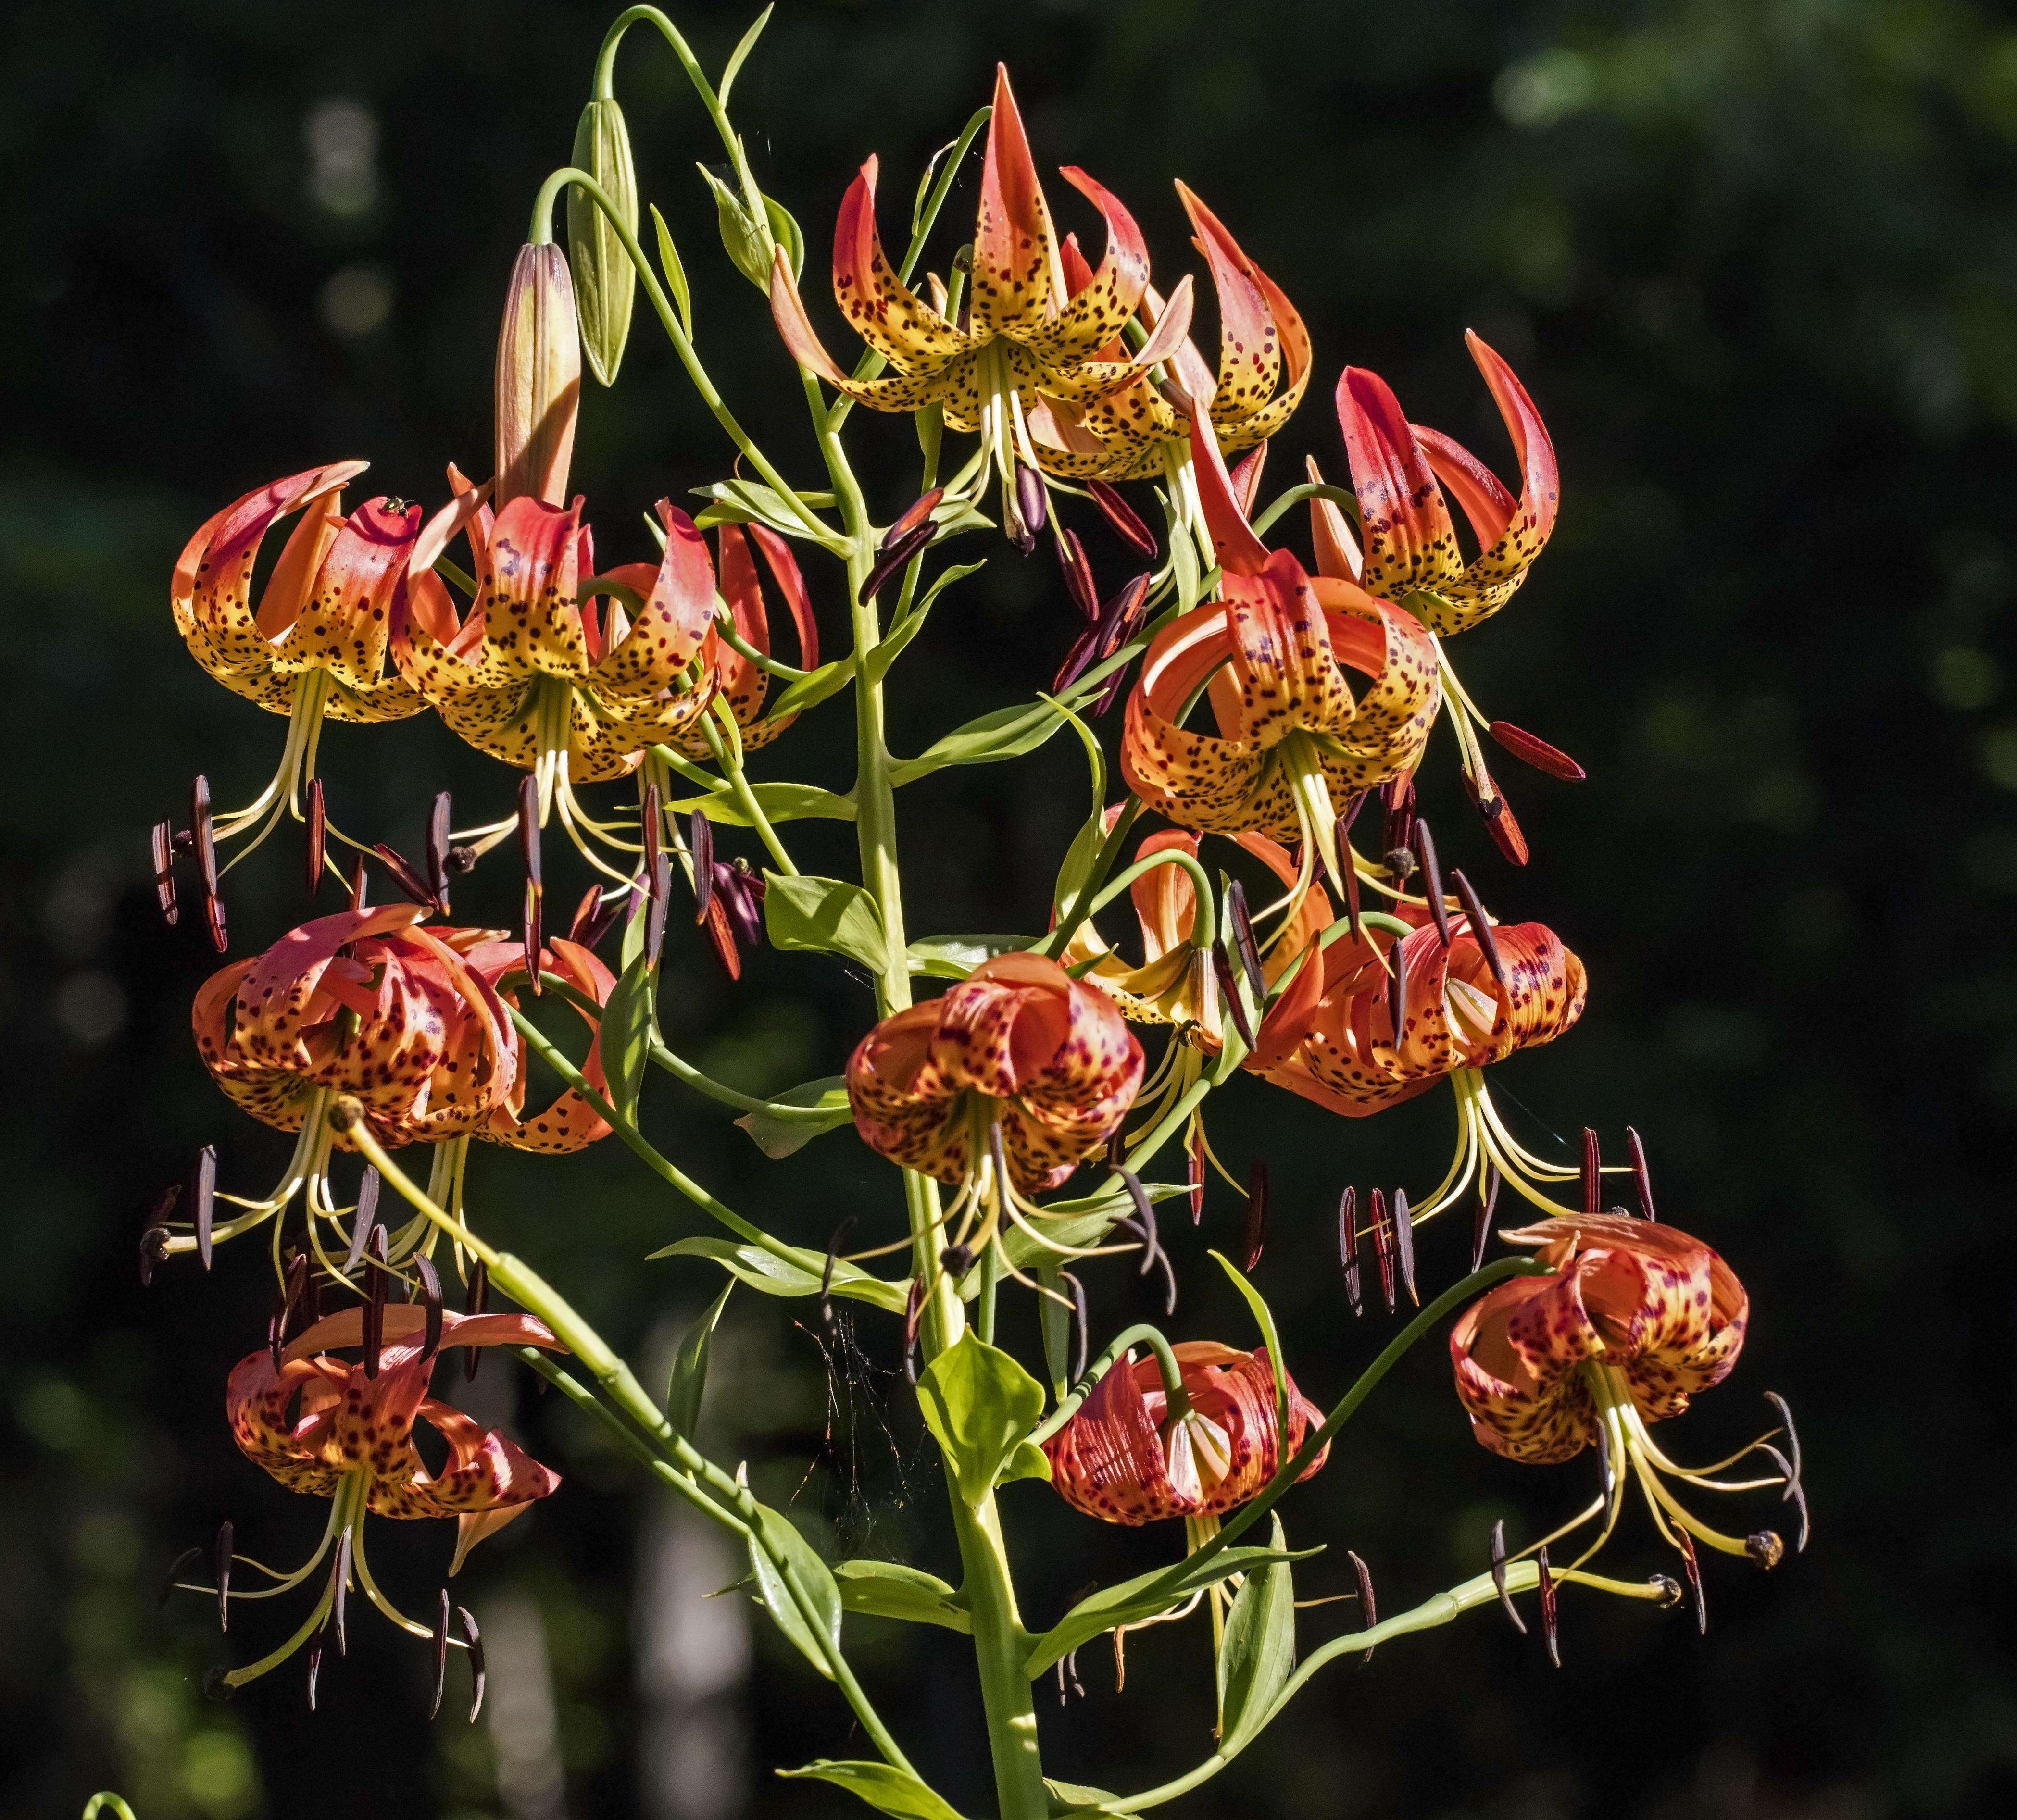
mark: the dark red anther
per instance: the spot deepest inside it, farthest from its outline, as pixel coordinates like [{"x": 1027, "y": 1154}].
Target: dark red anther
[
  {"x": 1078, "y": 574},
  {"x": 441, "y": 1657},
  {"x": 1792, "y": 1434},
  {"x": 376, "y": 1272},
  {"x": 1498, "y": 1576},
  {"x": 1499, "y": 820},
  {"x": 741, "y": 895},
  {"x": 431, "y": 1293},
  {"x": 416, "y": 888},
  {"x": 1480, "y": 925},
  {"x": 473, "y": 1640},
  {"x": 1083, "y": 1349},
  {"x": 894, "y": 557},
  {"x": 1642, "y": 1175},
  {"x": 1423, "y": 846},
  {"x": 221, "y": 1558},
  {"x": 1145, "y": 1213},
  {"x": 183, "y": 1562},
  {"x": 363, "y": 1220},
  {"x": 1243, "y": 944},
  {"x": 1381, "y": 1222},
  {"x": 161, "y": 840},
  {"x": 1228, "y": 990},
  {"x": 701, "y": 841},
  {"x": 1550, "y": 1629},
  {"x": 1593, "y": 1173},
  {"x": 1246, "y": 478},
  {"x": 1396, "y": 795},
  {"x": 1032, "y": 501},
  {"x": 318, "y": 830},
  {"x": 1369, "y": 1612},
  {"x": 154, "y": 1250},
  {"x": 204, "y": 829},
  {"x": 1257, "y": 1215},
  {"x": 1348, "y": 1249},
  {"x": 1078, "y": 660},
  {"x": 1397, "y": 992},
  {"x": 1404, "y": 1244},
  {"x": 476, "y": 1298},
  {"x": 1122, "y": 519},
  {"x": 658, "y": 901},
  {"x": 1194, "y": 1171},
  {"x": 918, "y": 512},
  {"x": 360, "y": 887},
  {"x": 1693, "y": 1567},
  {"x": 315, "y": 1660},
  {"x": 913, "y": 1312},
  {"x": 296, "y": 1282},
  {"x": 1538, "y": 753},
  {"x": 213, "y": 921},
  {"x": 339, "y": 1593},
  {"x": 437, "y": 851},
  {"x": 585, "y": 913},
  {"x": 1488, "y": 1203},
  {"x": 202, "y": 1199}
]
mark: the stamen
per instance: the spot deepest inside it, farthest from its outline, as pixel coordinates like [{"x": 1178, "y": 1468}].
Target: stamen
[
  {"x": 914, "y": 1309},
  {"x": 1145, "y": 1211},
  {"x": 475, "y": 1301},
  {"x": 221, "y": 1571},
  {"x": 1424, "y": 847},
  {"x": 1256, "y": 1214},
  {"x": 1480, "y": 927},
  {"x": 359, "y": 888},
  {"x": 363, "y": 1221},
  {"x": 1078, "y": 574},
  {"x": 1764, "y": 1548},
  {"x": 1404, "y": 1244},
  {"x": 1794, "y": 1490},
  {"x": 1031, "y": 499},
  {"x": 374, "y": 1304},
  {"x": 202, "y": 1200},
  {"x": 1538, "y": 753},
  {"x": 315, "y": 1660},
  {"x": 1194, "y": 1168},
  {"x": 161, "y": 840},
  {"x": 919, "y": 512},
  {"x": 1398, "y": 794},
  {"x": 1488, "y": 1201},
  {"x": 203, "y": 830},
  {"x": 295, "y": 1282},
  {"x": 415, "y": 888},
  {"x": 1792, "y": 1434},
  {"x": 1348, "y": 1249},
  {"x": 437, "y": 851},
  {"x": 1550, "y": 1631},
  {"x": 1368, "y": 1610},
  {"x": 528, "y": 844},
  {"x": 658, "y": 904},
  {"x": 440, "y": 1658},
  {"x": 1605, "y": 1470},
  {"x": 1084, "y": 1324},
  {"x": 1641, "y": 1176},
  {"x": 1243, "y": 943},
  {"x": 1593, "y": 1173},
  {"x": 1498, "y": 1576},
  {"x": 472, "y": 1640},
  {"x": 894, "y": 557},
  {"x": 431, "y": 1291},
  {"x": 1382, "y": 1246},
  {"x": 1122, "y": 519},
  {"x": 1234, "y": 1005},
  {"x": 1685, "y": 1544},
  {"x": 318, "y": 832},
  {"x": 1500, "y": 822},
  {"x": 339, "y": 1592}
]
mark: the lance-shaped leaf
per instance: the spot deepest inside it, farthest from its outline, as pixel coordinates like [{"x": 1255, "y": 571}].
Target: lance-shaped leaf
[
  {"x": 626, "y": 1031},
  {"x": 1259, "y": 1650},
  {"x": 1068, "y": 1798},
  {"x": 882, "y": 1785},
  {"x": 1007, "y": 732},
  {"x": 979, "y": 1404},
  {"x": 824, "y": 1104},
  {"x": 955, "y": 957},
  {"x": 826, "y": 916},
  {"x": 797, "y": 1273},
  {"x": 1145, "y": 1596},
  {"x": 887, "y": 1589},
  {"x": 689, "y": 1380},
  {"x": 796, "y": 1586},
  {"x": 813, "y": 688}
]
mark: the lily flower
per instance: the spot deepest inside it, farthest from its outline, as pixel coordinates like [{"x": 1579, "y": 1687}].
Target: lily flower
[
  {"x": 364, "y": 1003},
  {"x": 569, "y": 1123},
  {"x": 1028, "y": 333},
  {"x": 344, "y": 1430},
  {"x": 1636, "y": 1319},
  {"x": 1003, "y": 1085},
  {"x": 548, "y": 670},
  {"x": 740, "y": 683},
  {"x": 1136, "y": 432},
  {"x": 315, "y": 646},
  {"x": 1129, "y": 1455},
  {"x": 1272, "y": 654}
]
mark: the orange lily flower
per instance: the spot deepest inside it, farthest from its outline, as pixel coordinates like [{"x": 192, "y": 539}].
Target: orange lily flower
[
  {"x": 344, "y": 1430},
  {"x": 535, "y": 674},
  {"x": 739, "y": 683},
  {"x": 1262, "y": 345},
  {"x": 315, "y": 646},
  {"x": 1126, "y": 1457},
  {"x": 1272, "y": 654},
  {"x": 1411, "y": 552},
  {"x": 1029, "y": 332},
  {"x": 569, "y": 1123},
  {"x": 1636, "y": 1319}
]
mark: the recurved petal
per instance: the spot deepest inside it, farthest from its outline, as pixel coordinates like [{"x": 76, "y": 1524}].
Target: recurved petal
[
  {"x": 532, "y": 618},
  {"x": 903, "y": 1108},
  {"x": 1409, "y": 541},
  {"x": 673, "y": 622},
  {"x": 885, "y": 312},
  {"x": 1515, "y": 1352},
  {"x": 258, "y": 1402},
  {"x": 344, "y": 624},
  {"x": 1103, "y": 305},
  {"x": 570, "y": 1123},
  {"x": 1108, "y": 1460},
  {"x": 1017, "y": 280}
]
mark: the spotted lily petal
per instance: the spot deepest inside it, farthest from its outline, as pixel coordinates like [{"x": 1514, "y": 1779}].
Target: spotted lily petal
[
  {"x": 1018, "y": 280},
  {"x": 570, "y": 1123}
]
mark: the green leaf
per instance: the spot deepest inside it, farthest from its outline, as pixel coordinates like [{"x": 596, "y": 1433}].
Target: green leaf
[
  {"x": 689, "y": 1381},
  {"x": 1076, "y": 874},
  {"x": 885, "y": 1589},
  {"x": 1028, "y": 1462},
  {"x": 1264, "y": 1318},
  {"x": 794, "y": 1586},
  {"x": 626, "y": 1027},
  {"x": 798, "y": 1273},
  {"x": 631, "y": 949},
  {"x": 605, "y": 281},
  {"x": 913, "y": 622},
  {"x": 978, "y": 1403},
  {"x": 1144, "y": 1597},
  {"x": 740, "y": 238},
  {"x": 1183, "y": 558},
  {"x": 1259, "y": 1648},
  {"x": 825, "y": 916},
  {"x": 778, "y": 802},
  {"x": 1071, "y": 1798},
  {"x": 676, "y": 273},
  {"x": 734, "y": 67},
  {"x": 741, "y": 501},
  {"x": 1007, "y": 732},
  {"x": 882, "y": 1785},
  {"x": 825, "y": 1109},
  {"x": 784, "y": 231},
  {"x": 955, "y": 957},
  {"x": 809, "y": 691}
]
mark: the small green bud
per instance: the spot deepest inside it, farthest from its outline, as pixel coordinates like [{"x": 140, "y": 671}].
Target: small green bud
[
  {"x": 740, "y": 237},
  {"x": 604, "y": 282}
]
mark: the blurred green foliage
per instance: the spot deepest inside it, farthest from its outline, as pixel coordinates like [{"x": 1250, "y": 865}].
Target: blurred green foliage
[{"x": 1756, "y": 259}]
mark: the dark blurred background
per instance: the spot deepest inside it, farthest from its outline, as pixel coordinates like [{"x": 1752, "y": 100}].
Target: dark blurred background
[{"x": 1757, "y": 260}]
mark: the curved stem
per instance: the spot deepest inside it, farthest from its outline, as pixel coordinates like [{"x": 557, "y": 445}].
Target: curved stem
[
  {"x": 1205, "y": 917},
  {"x": 728, "y": 756},
  {"x": 1140, "y": 1334}
]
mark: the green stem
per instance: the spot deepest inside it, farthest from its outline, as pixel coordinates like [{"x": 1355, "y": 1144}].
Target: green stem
[
  {"x": 1206, "y": 919},
  {"x": 1140, "y": 1334},
  {"x": 727, "y": 755}
]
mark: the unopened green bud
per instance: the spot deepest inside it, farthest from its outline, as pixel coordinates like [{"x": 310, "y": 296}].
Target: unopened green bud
[
  {"x": 740, "y": 237},
  {"x": 604, "y": 282}
]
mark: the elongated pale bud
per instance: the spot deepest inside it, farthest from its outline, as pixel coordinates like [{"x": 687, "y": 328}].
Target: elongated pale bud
[
  {"x": 539, "y": 379},
  {"x": 605, "y": 283}
]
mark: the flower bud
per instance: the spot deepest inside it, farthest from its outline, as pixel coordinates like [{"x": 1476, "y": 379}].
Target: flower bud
[
  {"x": 539, "y": 379},
  {"x": 604, "y": 282}
]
